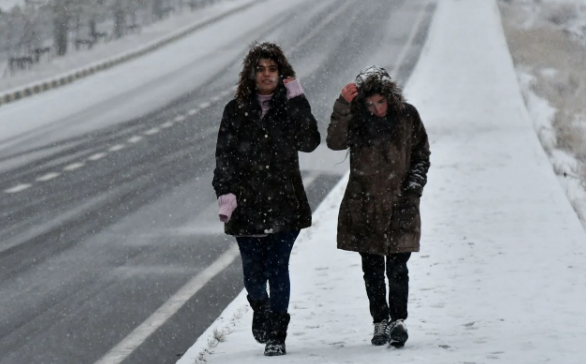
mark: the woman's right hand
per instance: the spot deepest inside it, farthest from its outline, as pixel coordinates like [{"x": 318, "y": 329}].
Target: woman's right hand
[{"x": 349, "y": 92}]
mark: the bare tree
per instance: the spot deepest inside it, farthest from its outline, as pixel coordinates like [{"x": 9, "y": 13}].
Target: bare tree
[{"x": 61, "y": 18}]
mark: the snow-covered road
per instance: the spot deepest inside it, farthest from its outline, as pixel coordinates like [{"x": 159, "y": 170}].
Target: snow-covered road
[{"x": 501, "y": 276}]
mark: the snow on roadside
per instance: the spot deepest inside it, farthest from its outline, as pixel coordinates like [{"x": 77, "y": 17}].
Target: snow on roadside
[
  {"x": 564, "y": 164},
  {"x": 7, "y": 5},
  {"x": 82, "y": 59},
  {"x": 501, "y": 275}
]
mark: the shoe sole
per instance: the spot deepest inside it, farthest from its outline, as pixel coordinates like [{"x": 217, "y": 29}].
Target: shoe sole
[
  {"x": 275, "y": 354},
  {"x": 380, "y": 343},
  {"x": 399, "y": 340}
]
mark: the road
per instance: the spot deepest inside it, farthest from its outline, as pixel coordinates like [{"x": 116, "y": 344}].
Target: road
[{"x": 105, "y": 195}]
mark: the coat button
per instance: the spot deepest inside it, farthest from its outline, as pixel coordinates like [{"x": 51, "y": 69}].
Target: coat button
[{"x": 266, "y": 135}]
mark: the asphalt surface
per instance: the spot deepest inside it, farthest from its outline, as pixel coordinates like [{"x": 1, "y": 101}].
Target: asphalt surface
[{"x": 90, "y": 254}]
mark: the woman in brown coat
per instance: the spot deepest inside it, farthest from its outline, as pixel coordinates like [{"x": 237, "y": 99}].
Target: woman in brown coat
[{"x": 379, "y": 216}]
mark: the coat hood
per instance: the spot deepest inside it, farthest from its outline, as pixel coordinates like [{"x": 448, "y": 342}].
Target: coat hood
[{"x": 376, "y": 80}]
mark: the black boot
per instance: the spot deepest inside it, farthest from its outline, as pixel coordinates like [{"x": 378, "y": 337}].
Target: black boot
[
  {"x": 380, "y": 337},
  {"x": 398, "y": 334},
  {"x": 260, "y": 318},
  {"x": 277, "y": 333}
]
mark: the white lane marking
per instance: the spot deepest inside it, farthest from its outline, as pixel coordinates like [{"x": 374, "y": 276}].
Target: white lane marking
[
  {"x": 97, "y": 156},
  {"x": 73, "y": 166},
  {"x": 151, "y": 131},
  {"x": 48, "y": 176},
  {"x": 409, "y": 42},
  {"x": 205, "y": 105},
  {"x": 309, "y": 179},
  {"x": 166, "y": 125},
  {"x": 319, "y": 27},
  {"x": 179, "y": 118},
  {"x": 135, "y": 139},
  {"x": 192, "y": 112},
  {"x": 18, "y": 188},
  {"x": 117, "y": 147},
  {"x": 121, "y": 351}
]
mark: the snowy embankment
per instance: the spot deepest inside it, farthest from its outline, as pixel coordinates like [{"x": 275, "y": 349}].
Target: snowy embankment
[
  {"x": 501, "y": 275},
  {"x": 565, "y": 165},
  {"x": 79, "y": 64}
]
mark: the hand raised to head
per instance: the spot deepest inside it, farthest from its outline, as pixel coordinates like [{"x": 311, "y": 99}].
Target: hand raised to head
[{"x": 349, "y": 92}]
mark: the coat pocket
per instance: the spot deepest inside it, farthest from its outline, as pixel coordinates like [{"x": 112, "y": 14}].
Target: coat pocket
[{"x": 406, "y": 215}]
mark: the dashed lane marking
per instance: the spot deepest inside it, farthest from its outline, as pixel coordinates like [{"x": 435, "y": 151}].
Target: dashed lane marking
[
  {"x": 73, "y": 166},
  {"x": 132, "y": 140},
  {"x": 97, "y": 156},
  {"x": 18, "y": 188},
  {"x": 117, "y": 147},
  {"x": 48, "y": 176}
]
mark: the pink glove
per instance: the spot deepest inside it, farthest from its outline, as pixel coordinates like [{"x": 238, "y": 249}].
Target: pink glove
[
  {"x": 227, "y": 205},
  {"x": 294, "y": 88}
]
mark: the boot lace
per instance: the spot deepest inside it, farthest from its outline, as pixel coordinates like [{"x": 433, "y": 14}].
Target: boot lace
[{"x": 379, "y": 328}]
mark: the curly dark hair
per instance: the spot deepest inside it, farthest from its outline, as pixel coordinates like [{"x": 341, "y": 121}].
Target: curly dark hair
[
  {"x": 265, "y": 50},
  {"x": 364, "y": 127}
]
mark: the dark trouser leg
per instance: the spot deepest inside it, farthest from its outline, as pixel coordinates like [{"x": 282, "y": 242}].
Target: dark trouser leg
[
  {"x": 373, "y": 267},
  {"x": 253, "y": 253},
  {"x": 398, "y": 276},
  {"x": 279, "y": 248}
]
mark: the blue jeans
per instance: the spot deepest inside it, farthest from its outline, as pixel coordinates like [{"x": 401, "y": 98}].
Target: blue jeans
[{"x": 267, "y": 259}]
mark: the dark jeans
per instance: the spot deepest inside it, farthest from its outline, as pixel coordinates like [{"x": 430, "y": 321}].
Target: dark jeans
[
  {"x": 374, "y": 267},
  {"x": 267, "y": 259}
]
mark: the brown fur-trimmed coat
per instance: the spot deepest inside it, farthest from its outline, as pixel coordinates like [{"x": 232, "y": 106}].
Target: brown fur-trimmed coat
[{"x": 389, "y": 160}]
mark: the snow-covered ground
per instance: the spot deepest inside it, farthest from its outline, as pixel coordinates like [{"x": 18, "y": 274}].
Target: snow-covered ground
[
  {"x": 82, "y": 59},
  {"x": 6, "y": 5},
  {"x": 547, "y": 42},
  {"x": 501, "y": 275}
]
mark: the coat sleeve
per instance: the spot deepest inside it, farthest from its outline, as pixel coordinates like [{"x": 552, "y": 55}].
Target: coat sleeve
[
  {"x": 417, "y": 175},
  {"x": 306, "y": 136},
  {"x": 226, "y": 155},
  {"x": 337, "y": 138}
]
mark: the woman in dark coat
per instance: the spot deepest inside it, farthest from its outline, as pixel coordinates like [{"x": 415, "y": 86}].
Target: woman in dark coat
[
  {"x": 379, "y": 216},
  {"x": 258, "y": 182}
]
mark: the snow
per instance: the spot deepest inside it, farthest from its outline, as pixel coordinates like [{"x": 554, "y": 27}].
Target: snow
[
  {"x": 6, "y": 5},
  {"x": 565, "y": 165},
  {"x": 501, "y": 274},
  {"x": 83, "y": 59},
  {"x": 54, "y": 115}
]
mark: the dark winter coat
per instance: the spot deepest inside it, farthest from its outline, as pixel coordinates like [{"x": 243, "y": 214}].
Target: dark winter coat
[
  {"x": 257, "y": 160},
  {"x": 389, "y": 160}
]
